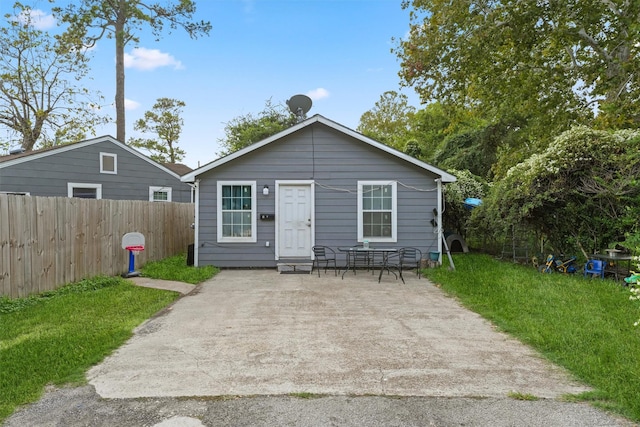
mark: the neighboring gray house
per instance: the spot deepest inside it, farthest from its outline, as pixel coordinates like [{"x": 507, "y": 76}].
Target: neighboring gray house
[
  {"x": 316, "y": 183},
  {"x": 98, "y": 168}
]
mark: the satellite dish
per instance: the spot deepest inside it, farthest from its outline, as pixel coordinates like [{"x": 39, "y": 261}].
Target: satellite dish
[{"x": 299, "y": 105}]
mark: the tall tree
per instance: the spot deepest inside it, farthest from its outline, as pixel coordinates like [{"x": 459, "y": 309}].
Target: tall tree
[
  {"x": 431, "y": 126},
  {"x": 543, "y": 65},
  {"x": 91, "y": 20},
  {"x": 38, "y": 99},
  {"x": 245, "y": 130},
  {"x": 389, "y": 120},
  {"x": 164, "y": 120}
]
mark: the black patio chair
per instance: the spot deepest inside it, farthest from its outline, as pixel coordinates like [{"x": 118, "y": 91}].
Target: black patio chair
[
  {"x": 325, "y": 255},
  {"x": 392, "y": 262},
  {"x": 411, "y": 259}
]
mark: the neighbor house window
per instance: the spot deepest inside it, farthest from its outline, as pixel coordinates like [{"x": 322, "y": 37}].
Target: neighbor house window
[
  {"x": 377, "y": 211},
  {"x": 236, "y": 211},
  {"x": 108, "y": 163},
  {"x": 84, "y": 191},
  {"x": 159, "y": 194}
]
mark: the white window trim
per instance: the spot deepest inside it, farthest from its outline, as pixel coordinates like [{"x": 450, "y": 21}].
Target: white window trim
[
  {"x": 72, "y": 185},
  {"x": 394, "y": 212},
  {"x": 153, "y": 189},
  {"x": 115, "y": 163},
  {"x": 254, "y": 228}
]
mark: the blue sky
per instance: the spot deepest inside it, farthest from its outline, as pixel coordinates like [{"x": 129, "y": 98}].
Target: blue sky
[{"x": 335, "y": 51}]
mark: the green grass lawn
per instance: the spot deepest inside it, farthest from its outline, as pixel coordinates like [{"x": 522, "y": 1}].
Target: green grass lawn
[
  {"x": 175, "y": 268},
  {"x": 584, "y": 325},
  {"x": 55, "y": 337}
]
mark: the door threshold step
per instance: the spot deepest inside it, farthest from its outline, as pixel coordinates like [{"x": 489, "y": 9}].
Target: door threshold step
[{"x": 295, "y": 267}]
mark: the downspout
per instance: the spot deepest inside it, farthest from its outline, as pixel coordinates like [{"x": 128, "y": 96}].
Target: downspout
[
  {"x": 439, "y": 220},
  {"x": 196, "y": 245}
]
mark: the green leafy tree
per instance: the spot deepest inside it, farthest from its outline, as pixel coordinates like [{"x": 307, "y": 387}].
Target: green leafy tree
[
  {"x": 456, "y": 215},
  {"x": 412, "y": 148},
  {"x": 430, "y": 126},
  {"x": 245, "y": 130},
  {"x": 475, "y": 149},
  {"x": 389, "y": 120},
  {"x": 540, "y": 66},
  {"x": 582, "y": 192},
  {"x": 164, "y": 120},
  {"x": 91, "y": 20},
  {"x": 38, "y": 98}
]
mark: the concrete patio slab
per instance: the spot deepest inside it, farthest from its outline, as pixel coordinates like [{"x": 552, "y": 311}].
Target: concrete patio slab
[{"x": 257, "y": 332}]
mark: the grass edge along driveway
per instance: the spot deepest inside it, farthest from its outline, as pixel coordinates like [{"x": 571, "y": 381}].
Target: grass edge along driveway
[
  {"x": 584, "y": 325},
  {"x": 56, "y": 336}
]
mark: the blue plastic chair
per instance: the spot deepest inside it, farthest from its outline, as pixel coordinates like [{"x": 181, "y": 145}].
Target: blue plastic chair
[{"x": 595, "y": 267}]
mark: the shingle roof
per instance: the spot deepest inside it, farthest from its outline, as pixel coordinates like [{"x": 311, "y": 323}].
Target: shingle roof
[
  {"x": 178, "y": 168},
  {"x": 29, "y": 153}
]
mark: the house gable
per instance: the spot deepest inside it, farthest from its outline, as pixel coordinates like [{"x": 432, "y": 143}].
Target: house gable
[
  {"x": 190, "y": 177},
  {"x": 101, "y": 166},
  {"x": 10, "y": 160}
]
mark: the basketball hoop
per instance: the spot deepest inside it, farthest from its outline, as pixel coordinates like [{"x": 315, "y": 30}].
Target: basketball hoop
[
  {"x": 135, "y": 250},
  {"x": 134, "y": 243}
]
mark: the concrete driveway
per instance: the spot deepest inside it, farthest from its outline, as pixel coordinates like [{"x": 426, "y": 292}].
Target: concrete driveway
[
  {"x": 246, "y": 347},
  {"x": 262, "y": 333}
]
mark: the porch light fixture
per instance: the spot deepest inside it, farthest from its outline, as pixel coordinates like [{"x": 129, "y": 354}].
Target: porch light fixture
[{"x": 265, "y": 190}]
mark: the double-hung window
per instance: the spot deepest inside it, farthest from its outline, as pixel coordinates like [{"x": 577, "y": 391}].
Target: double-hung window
[
  {"x": 237, "y": 211},
  {"x": 377, "y": 211}
]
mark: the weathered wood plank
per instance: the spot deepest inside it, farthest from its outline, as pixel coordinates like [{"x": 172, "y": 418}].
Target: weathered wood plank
[
  {"x": 61, "y": 243},
  {"x": 16, "y": 244},
  {"x": 5, "y": 254},
  {"x": 46, "y": 240}
]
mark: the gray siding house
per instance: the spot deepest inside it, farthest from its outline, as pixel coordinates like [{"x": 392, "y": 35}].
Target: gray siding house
[
  {"x": 316, "y": 183},
  {"x": 99, "y": 168}
]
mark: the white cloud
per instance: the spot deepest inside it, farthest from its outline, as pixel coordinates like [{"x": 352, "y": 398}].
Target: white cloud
[
  {"x": 37, "y": 18},
  {"x": 130, "y": 104},
  {"x": 149, "y": 59},
  {"x": 318, "y": 93}
]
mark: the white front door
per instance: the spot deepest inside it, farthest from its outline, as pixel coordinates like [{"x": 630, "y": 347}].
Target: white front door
[{"x": 294, "y": 223}]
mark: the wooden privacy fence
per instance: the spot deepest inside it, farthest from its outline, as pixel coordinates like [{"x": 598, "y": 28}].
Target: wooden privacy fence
[{"x": 46, "y": 242}]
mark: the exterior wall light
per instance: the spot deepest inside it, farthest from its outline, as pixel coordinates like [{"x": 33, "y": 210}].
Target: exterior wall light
[{"x": 265, "y": 190}]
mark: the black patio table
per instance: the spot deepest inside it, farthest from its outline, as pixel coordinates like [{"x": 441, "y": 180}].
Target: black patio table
[
  {"x": 371, "y": 251},
  {"x": 616, "y": 269}
]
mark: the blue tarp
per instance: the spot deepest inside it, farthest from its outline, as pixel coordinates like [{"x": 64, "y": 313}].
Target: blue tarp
[{"x": 471, "y": 203}]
